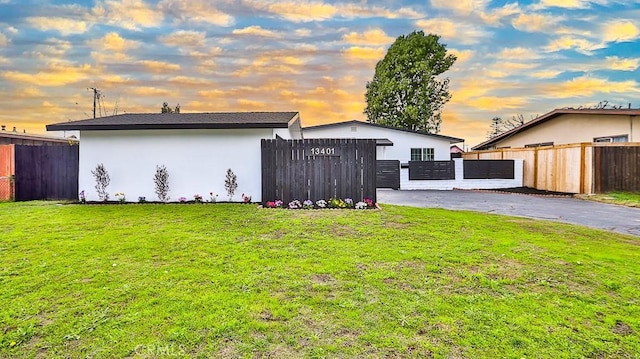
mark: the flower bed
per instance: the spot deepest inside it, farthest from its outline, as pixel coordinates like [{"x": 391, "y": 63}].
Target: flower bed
[{"x": 333, "y": 202}]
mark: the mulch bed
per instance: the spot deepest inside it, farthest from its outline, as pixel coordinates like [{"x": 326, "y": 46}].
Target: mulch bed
[{"x": 527, "y": 191}]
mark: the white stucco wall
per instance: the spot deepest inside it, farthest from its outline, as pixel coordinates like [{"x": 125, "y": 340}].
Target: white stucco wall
[
  {"x": 197, "y": 161},
  {"x": 403, "y": 141},
  {"x": 462, "y": 183}
]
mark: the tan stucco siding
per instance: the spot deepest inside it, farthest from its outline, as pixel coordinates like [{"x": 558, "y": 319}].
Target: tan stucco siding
[{"x": 576, "y": 128}]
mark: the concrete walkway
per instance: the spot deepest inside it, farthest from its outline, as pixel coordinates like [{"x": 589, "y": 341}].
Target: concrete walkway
[{"x": 569, "y": 210}]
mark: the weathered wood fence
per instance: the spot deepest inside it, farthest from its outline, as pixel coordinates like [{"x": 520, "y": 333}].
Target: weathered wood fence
[
  {"x": 572, "y": 168},
  {"x": 616, "y": 168},
  {"x": 39, "y": 172},
  {"x": 318, "y": 169}
]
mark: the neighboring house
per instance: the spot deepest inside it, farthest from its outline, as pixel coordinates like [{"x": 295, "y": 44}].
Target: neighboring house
[
  {"x": 393, "y": 143},
  {"x": 456, "y": 152},
  {"x": 196, "y": 148},
  {"x": 566, "y": 126},
  {"x": 18, "y": 138}
]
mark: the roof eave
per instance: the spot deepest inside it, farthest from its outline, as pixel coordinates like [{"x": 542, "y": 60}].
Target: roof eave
[{"x": 169, "y": 126}]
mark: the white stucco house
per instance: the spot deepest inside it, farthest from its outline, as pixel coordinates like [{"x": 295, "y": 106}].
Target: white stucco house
[
  {"x": 393, "y": 143},
  {"x": 403, "y": 145},
  {"x": 196, "y": 148}
]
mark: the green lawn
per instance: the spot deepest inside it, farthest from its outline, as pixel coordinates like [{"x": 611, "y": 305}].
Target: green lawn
[
  {"x": 622, "y": 198},
  {"x": 231, "y": 281}
]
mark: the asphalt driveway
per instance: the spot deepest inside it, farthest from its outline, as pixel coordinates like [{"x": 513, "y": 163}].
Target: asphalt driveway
[{"x": 569, "y": 210}]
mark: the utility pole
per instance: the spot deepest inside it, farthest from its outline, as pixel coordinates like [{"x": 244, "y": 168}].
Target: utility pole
[{"x": 96, "y": 96}]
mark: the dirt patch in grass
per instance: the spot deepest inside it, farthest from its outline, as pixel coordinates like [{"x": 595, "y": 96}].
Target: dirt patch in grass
[{"x": 621, "y": 328}]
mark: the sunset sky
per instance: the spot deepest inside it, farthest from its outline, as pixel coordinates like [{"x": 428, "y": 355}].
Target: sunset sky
[{"x": 314, "y": 57}]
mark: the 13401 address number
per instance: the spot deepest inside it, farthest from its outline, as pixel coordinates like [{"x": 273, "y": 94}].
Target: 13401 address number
[{"x": 322, "y": 151}]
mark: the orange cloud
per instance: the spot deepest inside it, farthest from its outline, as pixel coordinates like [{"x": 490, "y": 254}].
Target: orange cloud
[
  {"x": 182, "y": 38},
  {"x": 616, "y": 63},
  {"x": 535, "y": 22},
  {"x": 492, "y": 103},
  {"x": 254, "y": 31},
  {"x": 149, "y": 91},
  {"x": 62, "y": 25},
  {"x": 621, "y": 31},
  {"x": 585, "y": 86},
  {"x": 129, "y": 14},
  {"x": 56, "y": 74},
  {"x": 113, "y": 42},
  {"x": 368, "y": 54},
  {"x": 159, "y": 66}
]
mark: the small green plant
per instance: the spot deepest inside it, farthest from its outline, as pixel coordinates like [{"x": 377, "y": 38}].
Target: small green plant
[
  {"x": 102, "y": 181},
  {"x": 120, "y": 196},
  {"x": 231, "y": 183},
  {"x": 161, "y": 180}
]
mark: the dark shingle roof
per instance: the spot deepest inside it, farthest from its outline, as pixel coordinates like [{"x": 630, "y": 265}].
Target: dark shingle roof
[
  {"x": 450, "y": 139},
  {"x": 158, "y": 121}
]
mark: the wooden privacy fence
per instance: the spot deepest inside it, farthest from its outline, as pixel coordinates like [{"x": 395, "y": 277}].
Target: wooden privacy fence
[
  {"x": 40, "y": 172},
  {"x": 6, "y": 172},
  {"x": 318, "y": 169},
  {"x": 616, "y": 168},
  {"x": 569, "y": 168},
  {"x": 431, "y": 170},
  {"x": 388, "y": 174}
]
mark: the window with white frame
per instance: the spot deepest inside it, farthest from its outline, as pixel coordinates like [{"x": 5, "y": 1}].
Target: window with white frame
[
  {"x": 422, "y": 154},
  {"x": 622, "y": 138}
]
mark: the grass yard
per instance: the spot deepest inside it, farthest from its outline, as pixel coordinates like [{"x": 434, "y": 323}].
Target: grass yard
[
  {"x": 622, "y": 198},
  {"x": 236, "y": 281}
]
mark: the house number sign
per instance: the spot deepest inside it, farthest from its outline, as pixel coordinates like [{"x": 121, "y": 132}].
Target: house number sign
[{"x": 322, "y": 151}]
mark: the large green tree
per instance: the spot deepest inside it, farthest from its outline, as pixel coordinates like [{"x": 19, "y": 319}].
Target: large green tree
[{"x": 407, "y": 90}]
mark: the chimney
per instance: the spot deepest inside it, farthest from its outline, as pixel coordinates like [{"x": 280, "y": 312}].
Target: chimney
[
  {"x": 14, "y": 129},
  {"x": 4, "y": 128}
]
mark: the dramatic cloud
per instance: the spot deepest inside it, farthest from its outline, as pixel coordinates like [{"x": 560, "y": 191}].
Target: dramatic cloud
[
  {"x": 59, "y": 24},
  {"x": 453, "y": 31},
  {"x": 585, "y": 86},
  {"x": 374, "y": 37},
  {"x": 620, "y": 64},
  {"x": 159, "y": 67},
  {"x": 113, "y": 42},
  {"x": 128, "y": 14},
  {"x": 202, "y": 11},
  {"x": 183, "y": 38},
  {"x": 255, "y": 31},
  {"x": 535, "y": 22},
  {"x": 55, "y": 74},
  {"x": 621, "y": 31}
]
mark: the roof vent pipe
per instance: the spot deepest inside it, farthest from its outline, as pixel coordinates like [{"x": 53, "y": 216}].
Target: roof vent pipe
[
  {"x": 14, "y": 129},
  {"x": 4, "y": 128}
]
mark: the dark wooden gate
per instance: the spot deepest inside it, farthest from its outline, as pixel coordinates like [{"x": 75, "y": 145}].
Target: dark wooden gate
[
  {"x": 318, "y": 169},
  {"x": 46, "y": 172},
  {"x": 388, "y": 174},
  {"x": 488, "y": 169},
  {"x": 616, "y": 168},
  {"x": 432, "y": 170}
]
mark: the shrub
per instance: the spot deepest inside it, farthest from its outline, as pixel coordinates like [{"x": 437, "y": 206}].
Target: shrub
[
  {"x": 102, "y": 181},
  {"x": 231, "y": 183},
  {"x": 161, "y": 180}
]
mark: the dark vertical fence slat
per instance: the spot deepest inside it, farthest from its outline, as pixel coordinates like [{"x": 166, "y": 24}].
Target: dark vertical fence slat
[
  {"x": 616, "y": 168},
  {"x": 290, "y": 171},
  {"x": 46, "y": 172}
]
